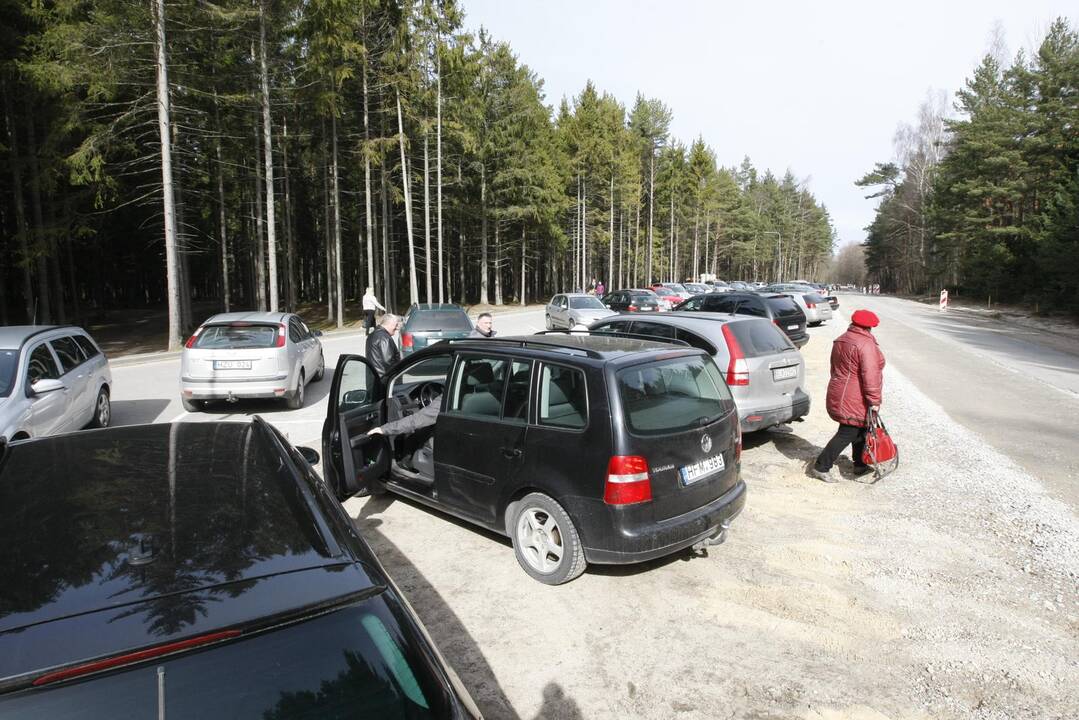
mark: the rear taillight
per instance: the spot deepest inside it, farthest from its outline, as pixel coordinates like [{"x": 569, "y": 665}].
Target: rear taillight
[
  {"x": 632, "y": 308},
  {"x": 628, "y": 481},
  {"x": 737, "y": 368},
  {"x": 280, "y": 336},
  {"x": 811, "y": 305},
  {"x": 406, "y": 340},
  {"x": 191, "y": 340}
]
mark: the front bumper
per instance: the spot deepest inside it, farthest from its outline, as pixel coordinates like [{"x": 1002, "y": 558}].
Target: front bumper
[{"x": 661, "y": 538}]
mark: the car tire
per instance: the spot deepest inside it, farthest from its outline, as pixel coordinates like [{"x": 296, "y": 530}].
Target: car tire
[
  {"x": 545, "y": 540},
  {"x": 102, "y": 410},
  {"x": 321, "y": 372},
  {"x": 550, "y": 324},
  {"x": 191, "y": 405},
  {"x": 295, "y": 400}
]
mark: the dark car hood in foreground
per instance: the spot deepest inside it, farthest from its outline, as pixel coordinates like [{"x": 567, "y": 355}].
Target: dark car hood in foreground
[{"x": 117, "y": 518}]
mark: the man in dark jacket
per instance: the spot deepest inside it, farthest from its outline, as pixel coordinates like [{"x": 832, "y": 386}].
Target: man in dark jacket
[
  {"x": 484, "y": 327},
  {"x": 411, "y": 423},
  {"x": 381, "y": 350},
  {"x": 855, "y": 388}
]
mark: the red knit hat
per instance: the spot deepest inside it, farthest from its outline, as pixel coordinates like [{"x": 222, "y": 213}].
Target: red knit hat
[{"x": 865, "y": 318}]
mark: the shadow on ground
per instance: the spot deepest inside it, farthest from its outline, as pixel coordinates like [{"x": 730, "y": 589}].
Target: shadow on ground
[{"x": 137, "y": 412}]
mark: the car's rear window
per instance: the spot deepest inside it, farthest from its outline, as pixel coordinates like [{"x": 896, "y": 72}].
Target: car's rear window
[
  {"x": 236, "y": 337},
  {"x": 434, "y": 320},
  {"x": 647, "y": 297},
  {"x": 354, "y": 662},
  {"x": 9, "y": 362},
  {"x": 814, "y": 298},
  {"x": 782, "y": 305},
  {"x": 673, "y": 395},
  {"x": 758, "y": 338}
]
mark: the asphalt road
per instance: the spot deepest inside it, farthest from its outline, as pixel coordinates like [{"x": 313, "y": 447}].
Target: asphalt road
[
  {"x": 1015, "y": 385},
  {"x": 147, "y": 391}
]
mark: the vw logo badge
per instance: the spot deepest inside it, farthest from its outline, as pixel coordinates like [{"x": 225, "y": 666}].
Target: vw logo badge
[{"x": 706, "y": 443}]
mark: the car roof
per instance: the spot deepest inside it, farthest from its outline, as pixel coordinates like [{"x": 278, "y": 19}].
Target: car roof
[
  {"x": 684, "y": 318},
  {"x": 435, "y": 306},
  {"x": 139, "y": 515},
  {"x": 563, "y": 345},
  {"x": 13, "y": 336},
  {"x": 247, "y": 316}
]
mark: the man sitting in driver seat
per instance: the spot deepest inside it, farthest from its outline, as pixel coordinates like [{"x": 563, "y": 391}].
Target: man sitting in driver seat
[{"x": 425, "y": 417}]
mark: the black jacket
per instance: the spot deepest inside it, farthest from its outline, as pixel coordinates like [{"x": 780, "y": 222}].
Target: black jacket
[{"x": 381, "y": 351}]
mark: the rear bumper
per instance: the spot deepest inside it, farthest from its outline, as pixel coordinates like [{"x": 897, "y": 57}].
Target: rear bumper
[
  {"x": 664, "y": 537},
  {"x": 753, "y": 420},
  {"x": 275, "y": 387}
]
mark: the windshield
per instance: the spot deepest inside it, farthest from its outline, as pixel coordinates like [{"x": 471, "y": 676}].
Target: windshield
[
  {"x": 9, "y": 362},
  {"x": 673, "y": 395},
  {"x": 354, "y": 662},
  {"x": 236, "y": 337},
  {"x": 438, "y": 320},
  {"x": 586, "y": 303}
]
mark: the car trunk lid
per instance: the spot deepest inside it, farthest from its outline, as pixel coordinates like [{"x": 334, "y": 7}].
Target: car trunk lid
[{"x": 236, "y": 350}]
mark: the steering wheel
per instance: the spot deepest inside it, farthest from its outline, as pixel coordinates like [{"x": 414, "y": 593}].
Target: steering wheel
[{"x": 429, "y": 391}]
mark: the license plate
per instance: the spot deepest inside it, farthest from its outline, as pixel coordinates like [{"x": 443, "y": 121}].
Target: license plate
[
  {"x": 232, "y": 364},
  {"x": 792, "y": 327},
  {"x": 785, "y": 373},
  {"x": 692, "y": 473}
]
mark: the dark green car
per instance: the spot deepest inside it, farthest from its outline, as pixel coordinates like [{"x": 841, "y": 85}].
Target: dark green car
[{"x": 428, "y": 323}]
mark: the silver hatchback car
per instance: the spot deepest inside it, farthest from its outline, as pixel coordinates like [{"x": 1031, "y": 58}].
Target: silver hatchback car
[
  {"x": 568, "y": 310},
  {"x": 52, "y": 380},
  {"x": 764, "y": 370},
  {"x": 236, "y": 356}
]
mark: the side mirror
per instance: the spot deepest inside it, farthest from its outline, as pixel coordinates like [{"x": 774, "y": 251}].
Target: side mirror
[
  {"x": 607, "y": 305},
  {"x": 309, "y": 454},
  {"x": 46, "y": 386},
  {"x": 318, "y": 333}
]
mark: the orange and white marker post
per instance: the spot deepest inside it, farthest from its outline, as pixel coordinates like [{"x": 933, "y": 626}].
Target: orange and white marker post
[{"x": 943, "y": 300}]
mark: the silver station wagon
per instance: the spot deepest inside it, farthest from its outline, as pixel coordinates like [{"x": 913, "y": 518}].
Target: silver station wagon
[
  {"x": 52, "y": 380},
  {"x": 243, "y": 355}
]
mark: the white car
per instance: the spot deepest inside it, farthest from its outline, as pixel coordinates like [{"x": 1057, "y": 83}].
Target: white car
[
  {"x": 243, "y": 355},
  {"x": 52, "y": 380}
]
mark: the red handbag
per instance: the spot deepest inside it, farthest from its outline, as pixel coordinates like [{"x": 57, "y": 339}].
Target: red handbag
[{"x": 880, "y": 453}]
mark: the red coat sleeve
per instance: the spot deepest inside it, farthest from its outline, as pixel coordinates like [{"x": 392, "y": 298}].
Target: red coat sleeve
[{"x": 871, "y": 372}]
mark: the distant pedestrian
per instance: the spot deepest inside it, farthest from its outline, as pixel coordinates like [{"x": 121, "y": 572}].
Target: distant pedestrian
[
  {"x": 370, "y": 304},
  {"x": 382, "y": 350},
  {"x": 601, "y": 289},
  {"x": 855, "y": 388},
  {"x": 484, "y": 327}
]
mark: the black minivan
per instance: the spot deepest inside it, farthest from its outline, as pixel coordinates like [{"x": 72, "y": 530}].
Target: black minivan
[
  {"x": 580, "y": 448},
  {"x": 779, "y": 308}
]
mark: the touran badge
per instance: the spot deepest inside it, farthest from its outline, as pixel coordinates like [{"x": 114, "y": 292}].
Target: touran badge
[{"x": 706, "y": 443}]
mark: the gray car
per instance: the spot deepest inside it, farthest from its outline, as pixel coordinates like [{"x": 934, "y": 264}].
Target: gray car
[
  {"x": 568, "y": 310},
  {"x": 242, "y": 355},
  {"x": 52, "y": 380},
  {"x": 764, "y": 370}
]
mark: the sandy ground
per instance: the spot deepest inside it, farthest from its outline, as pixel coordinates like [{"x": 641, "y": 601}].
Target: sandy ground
[{"x": 948, "y": 590}]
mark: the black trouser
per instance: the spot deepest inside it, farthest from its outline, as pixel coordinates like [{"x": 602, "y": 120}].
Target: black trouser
[
  {"x": 368, "y": 319},
  {"x": 844, "y": 436}
]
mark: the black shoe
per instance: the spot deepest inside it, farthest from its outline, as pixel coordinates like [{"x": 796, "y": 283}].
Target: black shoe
[{"x": 860, "y": 470}]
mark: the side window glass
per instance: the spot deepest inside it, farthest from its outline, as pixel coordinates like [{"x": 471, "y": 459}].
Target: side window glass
[
  {"x": 692, "y": 304},
  {"x": 294, "y": 332},
  {"x": 41, "y": 365},
  {"x": 515, "y": 406},
  {"x": 430, "y": 370},
  {"x": 694, "y": 340},
  {"x": 358, "y": 385},
  {"x": 477, "y": 387},
  {"x": 304, "y": 330},
  {"x": 69, "y": 353},
  {"x": 753, "y": 307},
  {"x": 654, "y": 329},
  {"x": 718, "y": 304},
  {"x": 563, "y": 401},
  {"x": 88, "y": 347}
]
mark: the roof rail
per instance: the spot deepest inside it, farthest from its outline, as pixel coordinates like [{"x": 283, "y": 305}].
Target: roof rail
[
  {"x": 522, "y": 343},
  {"x": 619, "y": 333}
]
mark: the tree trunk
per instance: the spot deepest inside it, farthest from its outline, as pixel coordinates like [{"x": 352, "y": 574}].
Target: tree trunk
[
  {"x": 163, "y": 121},
  {"x": 260, "y": 253},
  {"x": 524, "y": 253},
  {"x": 21, "y": 229},
  {"x": 339, "y": 281},
  {"x": 41, "y": 245},
  {"x": 427, "y": 214},
  {"x": 438, "y": 164},
  {"x": 222, "y": 226},
  {"x": 636, "y": 264},
  {"x": 406, "y": 182},
  {"x": 697, "y": 243},
  {"x": 483, "y": 235},
  {"x": 498, "y": 264},
  {"x": 267, "y": 136},
  {"x": 292, "y": 295},
  {"x": 610, "y": 239},
  {"x": 369, "y": 220},
  {"x": 585, "y": 277},
  {"x": 651, "y": 206},
  {"x": 326, "y": 224}
]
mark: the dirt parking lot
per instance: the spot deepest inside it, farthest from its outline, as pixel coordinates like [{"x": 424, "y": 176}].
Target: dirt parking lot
[{"x": 949, "y": 590}]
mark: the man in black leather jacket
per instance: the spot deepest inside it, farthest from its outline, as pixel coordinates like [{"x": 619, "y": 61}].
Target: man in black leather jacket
[{"x": 381, "y": 350}]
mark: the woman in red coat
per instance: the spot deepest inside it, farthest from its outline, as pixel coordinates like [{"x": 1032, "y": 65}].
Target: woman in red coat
[{"x": 855, "y": 388}]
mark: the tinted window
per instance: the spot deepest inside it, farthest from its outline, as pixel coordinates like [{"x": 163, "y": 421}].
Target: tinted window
[
  {"x": 88, "y": 347},
  {"x": 69, "y": 353},
  {"x": 9, "y": 363},
  {"x": 750, "y": 306},
  {"x": 436, "y": 369},
  {"x": 477, "y": 388},
  {"x": 673, "y": 395},
  {"x": 718, "y": 303},
  {"x": 435, "y": 320},
  {"x": 759, "y": 337},
  {"x": 814, "y": 298},
  {"x": 358, "y": 384},
  {"x": 354, "y": 662},
  {"x": 515, "y": 406},
  {"x": 783, "y": 306},
  {"x": 586, "y": 303},
  {"x": 294, "y": 332},
  {"x": 236, "y": 337},
  {"x": 622, "y": 326},
  {"x": 694, "y": 340},
  {"x": 42, "y": 366},
  {"x": 563, "y": 399},
  {"x": 643, "y": 297},
  {"x": 653, "y": 329},
  {"x": 694, "y": 303}
]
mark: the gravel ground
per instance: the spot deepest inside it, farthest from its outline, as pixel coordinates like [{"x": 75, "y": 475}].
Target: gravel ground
[{"x": 948, "y": 590}]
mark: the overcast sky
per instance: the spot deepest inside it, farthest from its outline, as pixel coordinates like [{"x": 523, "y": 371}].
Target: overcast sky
[{"x": 816, "y": 87}]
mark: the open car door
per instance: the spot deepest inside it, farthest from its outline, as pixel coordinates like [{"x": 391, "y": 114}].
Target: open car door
[{"x": 352, "y": 459}]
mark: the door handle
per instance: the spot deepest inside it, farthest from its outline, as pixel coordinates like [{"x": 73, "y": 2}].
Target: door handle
[{"x": 511, "y": 453}]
